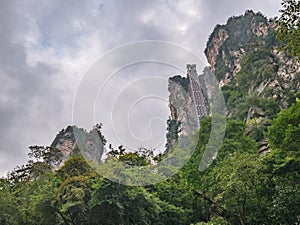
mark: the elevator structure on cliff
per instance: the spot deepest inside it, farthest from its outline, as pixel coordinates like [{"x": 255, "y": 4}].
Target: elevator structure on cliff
[
  {"x": 188, "y": 102},
  {"x": 197, "y": 91}
]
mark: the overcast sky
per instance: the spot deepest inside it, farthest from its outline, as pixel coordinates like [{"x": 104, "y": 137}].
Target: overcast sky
[{"x": 47, "y": 46}]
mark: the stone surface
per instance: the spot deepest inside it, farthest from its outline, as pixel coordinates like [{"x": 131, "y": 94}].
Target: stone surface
[{"x": 73, "y": 140}]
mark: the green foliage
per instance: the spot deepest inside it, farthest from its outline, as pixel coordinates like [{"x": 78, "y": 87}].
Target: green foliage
[
  {"x": 281, "y": 167},
  {"x": 256, "y": 67},
  {"x": 182, "y": 81},
  {"x": 239, "y": 187},
  {"x": 7, "y": 203},
  {"x": 284, "y": 134},
  {"x": 238, "y": 103},
  {"x": 288, "y": 32},
  {"x": 223, "y": 65},
  {"x": 256, "y": 128},
  {"x": 241, "y": 33},
  {"x": 172, "y": 133},
  {"x": 112, "y": 203}
]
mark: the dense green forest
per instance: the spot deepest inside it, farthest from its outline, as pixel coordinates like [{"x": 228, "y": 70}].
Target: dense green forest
[{"x": 241, "y": 186}]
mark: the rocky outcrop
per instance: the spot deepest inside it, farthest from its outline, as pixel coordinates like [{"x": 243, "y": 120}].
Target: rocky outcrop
[
  {"x": 182, "y": 107},
  {"x": 65, "y": 143},
  {"x": 257, "y": 78},
  {"x": 90, "y": 144},
  {"x": 249, "y": 39},
  {"x": 228, "y": 43},
  {"x": 73, "y": 140}
]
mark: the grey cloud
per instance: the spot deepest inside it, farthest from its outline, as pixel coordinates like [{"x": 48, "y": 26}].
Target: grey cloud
[{"x": 29, "y": 103}]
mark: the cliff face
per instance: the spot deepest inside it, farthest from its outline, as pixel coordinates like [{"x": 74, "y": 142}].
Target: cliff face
[
  {"x": 214, "y": 44},
  {"x": 182, "y": 108}
]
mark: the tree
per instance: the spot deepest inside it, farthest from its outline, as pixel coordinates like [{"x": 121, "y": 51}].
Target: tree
[
  {"x": 41, "y": 160},
  {"x": 288, "y": 32},
  {"x": 7, "y": 201},
  {"x": 284, "y": 133},
  {"x": 72, "y": 196},
  {"x": 282, "y": 166}
]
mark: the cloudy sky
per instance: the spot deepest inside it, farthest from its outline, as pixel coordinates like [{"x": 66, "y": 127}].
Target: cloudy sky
[{"x": 47, "y": 46}]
